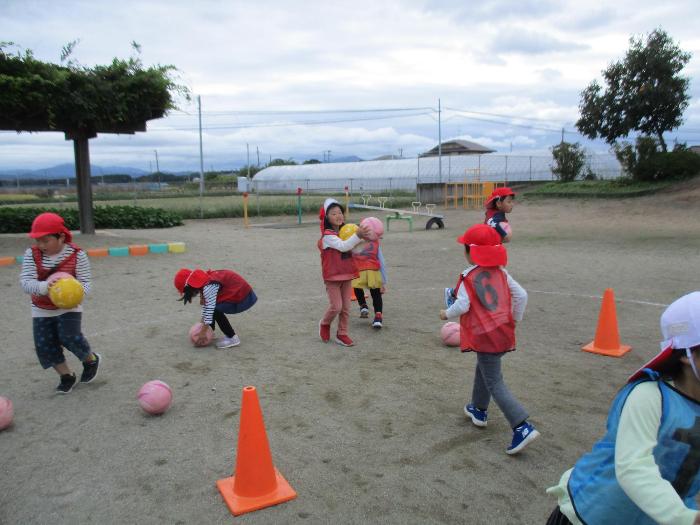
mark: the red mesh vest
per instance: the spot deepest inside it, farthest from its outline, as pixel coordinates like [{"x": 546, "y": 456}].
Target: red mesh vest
[
  {"x": 488, "y": 326},
  {"x": 368, "y": 257},
  {"x": 233, "y": 287},
  {"x": 66, "y": 265},
  {"x": 334, "y": 262}
]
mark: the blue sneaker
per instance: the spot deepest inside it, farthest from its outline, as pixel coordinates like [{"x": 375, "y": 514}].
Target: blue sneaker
[
  {"x": 449, "y": 297},
  {"x": 522, "y": 437},
  {"x": 478, "y": 416}
]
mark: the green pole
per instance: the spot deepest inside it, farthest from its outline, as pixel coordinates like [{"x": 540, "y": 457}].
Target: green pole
[{"x": 299, "y": 205}]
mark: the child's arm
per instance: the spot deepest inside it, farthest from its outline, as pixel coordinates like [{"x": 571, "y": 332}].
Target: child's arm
[
  {"x": 209, "y": 293},
  {"x": 518, "y": 298},
  {"x": 335, "y": 242},
  {"x": 82, "y": 271},
  {"x": 382, "y": 266},
  {"x": 635, "y": 467},
  {"x": 28, "y": 277},
  {"x": 461, "y": 304},
  {"x": 499, "y": 223}
]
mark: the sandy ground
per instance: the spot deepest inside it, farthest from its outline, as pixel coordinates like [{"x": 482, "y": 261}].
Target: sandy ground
[{"x": 369, "y": 434}]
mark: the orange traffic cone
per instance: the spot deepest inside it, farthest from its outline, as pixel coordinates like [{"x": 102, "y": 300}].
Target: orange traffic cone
[
  {"x": 607, "y": 337},
  {"x": 256, "y": 483}
]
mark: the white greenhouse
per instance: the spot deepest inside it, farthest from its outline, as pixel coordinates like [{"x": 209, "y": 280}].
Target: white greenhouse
[{"x": 404, "y": 175}]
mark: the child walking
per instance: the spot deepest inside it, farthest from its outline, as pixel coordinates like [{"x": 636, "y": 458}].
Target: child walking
[
  {"x": 497, "y": 205},
  {"x": 338, "y": 269},
  {"x": 370, "y": 265},
  {"x": 645, "y": 468},
  {"x": 56, "y": 328},
  {"x": 222, "y": 292},
  {"x": 489, "y": 302}
]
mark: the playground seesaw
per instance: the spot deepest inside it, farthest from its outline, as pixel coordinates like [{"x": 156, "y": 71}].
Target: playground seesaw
[{"x": 403, "y": 215}]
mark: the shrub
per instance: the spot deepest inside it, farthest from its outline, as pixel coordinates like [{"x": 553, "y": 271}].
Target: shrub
[
  {"x": 569, "y": 160},
  {"x": 19, "y": 219},
  {"x": 646, "y": 162}
]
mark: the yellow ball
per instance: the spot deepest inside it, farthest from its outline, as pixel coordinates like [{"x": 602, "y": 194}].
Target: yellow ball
[
  {"x": 347, "y": 231},
  {"x": 66, "y": 292}
]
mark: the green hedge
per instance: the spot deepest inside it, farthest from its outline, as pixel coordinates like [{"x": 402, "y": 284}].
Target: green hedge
[{"x": 19, "y": 219}]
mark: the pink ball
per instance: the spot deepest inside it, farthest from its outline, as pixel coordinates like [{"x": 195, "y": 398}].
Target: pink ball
[
  {"x": 56, "y": 276},
  {"x": 450, "y": 334},
  {"x": 375, "y": 225},
  {"x": 6, "y": 413},
  {"x": 196, "y": 329},
  {"x": 155, "y": 397}
]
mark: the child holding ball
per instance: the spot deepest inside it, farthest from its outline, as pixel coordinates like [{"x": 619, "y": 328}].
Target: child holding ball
[
  {"x": 222, "y": 292},
  {"x": 338, "y": 269},
  {"x": 370, "y": 265},
  {"x": 57, "y": 328}
]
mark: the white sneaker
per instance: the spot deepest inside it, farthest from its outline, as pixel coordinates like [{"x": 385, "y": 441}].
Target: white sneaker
[{"x": 228, "y": 342}]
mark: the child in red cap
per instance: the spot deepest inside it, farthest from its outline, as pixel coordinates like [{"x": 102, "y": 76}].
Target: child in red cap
[
  {"x": 57, "y": 328},
  {"x": 646, "y": 467},
  {"x": 488, "y": 303},
  {"x": 497, "y": 205},
  {"x": 338, "y": 269},
  {"x": 222, "y": 292}
]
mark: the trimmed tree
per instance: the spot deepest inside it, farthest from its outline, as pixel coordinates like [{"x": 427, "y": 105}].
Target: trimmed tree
[
  {"x": 644, "y": 92},
  {"x": 569, "y": 160},
  {"x": 82, "y": 102}
]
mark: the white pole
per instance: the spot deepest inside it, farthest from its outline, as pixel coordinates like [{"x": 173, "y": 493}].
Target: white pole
[
  {"x": 247, "y": 155},
  {"x": 439, "y": 140},
  {"x": 201, "y": 158}
]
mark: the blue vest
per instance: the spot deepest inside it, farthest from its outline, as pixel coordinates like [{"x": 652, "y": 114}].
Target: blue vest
[{"x": 593, "y": 488}]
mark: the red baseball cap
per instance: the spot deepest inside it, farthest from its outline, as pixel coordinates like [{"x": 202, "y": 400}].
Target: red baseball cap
[
  {"x": 498, "y": 193},
  {"x": 195, "y": 278},
  {"x": 47, "y": 224},
  {"x": 485, "y": 246}
]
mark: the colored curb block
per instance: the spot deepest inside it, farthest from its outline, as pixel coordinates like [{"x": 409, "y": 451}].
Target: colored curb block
[
  {"x": 19, "y": 259},
  {"x": 119, "y": 251},
  {"x": 158, "y": 248},
  {"x": 138, "y": 249},
  {"x": 176, "y": 247},
  {"x": 97, "y": 252},
  {"x": 6, "y": 261}
]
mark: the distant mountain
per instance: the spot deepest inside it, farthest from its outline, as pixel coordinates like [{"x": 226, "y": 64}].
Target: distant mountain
[
  {"x": 350, "y": 158},
  {"x": 67, "y": 171}
]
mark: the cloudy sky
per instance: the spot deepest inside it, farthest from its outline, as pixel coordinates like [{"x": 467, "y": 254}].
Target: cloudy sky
[{"x": 320, "y": 79}]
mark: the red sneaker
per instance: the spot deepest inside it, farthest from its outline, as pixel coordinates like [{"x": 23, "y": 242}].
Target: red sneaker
[
  {"x": 324, "y": 332},
  {"x": 343, "y": 340}
]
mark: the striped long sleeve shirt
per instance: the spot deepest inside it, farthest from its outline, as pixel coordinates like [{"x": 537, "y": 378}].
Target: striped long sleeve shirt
[{"x": 29, "y": 277}]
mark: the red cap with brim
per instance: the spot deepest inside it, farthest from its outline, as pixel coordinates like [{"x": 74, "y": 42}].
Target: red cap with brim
[
  {"x": 497, "y": 193},
  {"x": 49, "y": 224},
  {"x": 657, "y": 363},
  {"x": 485, "y": 247},
  {"x": 195, "y": 278}
]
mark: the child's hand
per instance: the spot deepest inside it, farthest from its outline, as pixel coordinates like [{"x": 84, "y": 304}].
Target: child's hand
[
  {"x": 382, "y": 289},
  {"x": 364, "y": 232},
  {"x": 443, "y": 315},
  {"x": 202, "y": 337}
]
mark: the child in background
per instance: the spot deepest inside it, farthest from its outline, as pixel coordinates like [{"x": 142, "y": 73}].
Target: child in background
[
  {"x": 370, "y": 264},
  {"x": 497, "y": 205},
  {"x": 222, "y": 292},
  {"x": 485, "y": 293},
  {"x": 56, "y": 328},
  {"x": 645, "y": 468},
  {"x": 338, "y": 269}
]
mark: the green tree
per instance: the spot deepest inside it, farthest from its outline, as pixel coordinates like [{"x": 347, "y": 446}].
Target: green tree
[
  {"x": 569, "y": 160},
  {"x": 644, "y": 92},
  {"x": 81, "y": 102},
  {"x": 312, "y": 161},
  {"x": 282, "y": 162}
]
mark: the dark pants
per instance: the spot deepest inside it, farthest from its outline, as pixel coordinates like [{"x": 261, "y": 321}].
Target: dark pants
[
  {"x": 557, "y": 518},
  {"x": 53, "y": 334},
  {"x": 376, "y": 294},
  {"x": 231, "y": 308}
]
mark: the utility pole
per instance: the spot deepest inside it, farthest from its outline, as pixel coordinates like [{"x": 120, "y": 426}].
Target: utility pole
[
  {"x": 257, "y": 150},
  {"x": 329, "y": 155},
  {"x": 562, "y": 135},
  {"x": 439, "y": 140},
  {"x": 157, "y": 168},
  {"x": 247, "y": 153},
  {"x": 201, "y": 158}
]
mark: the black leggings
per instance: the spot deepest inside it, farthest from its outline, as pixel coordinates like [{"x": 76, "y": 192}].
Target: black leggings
[
  {"x": 376, "y": 294},
  {"x": 557, "y": 518},
  {"x": 221, "y": 319}
]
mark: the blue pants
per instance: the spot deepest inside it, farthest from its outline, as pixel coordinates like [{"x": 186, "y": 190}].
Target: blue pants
[
  {"x": 53, "y": 334},
  {"x": 231, "y": 308}
]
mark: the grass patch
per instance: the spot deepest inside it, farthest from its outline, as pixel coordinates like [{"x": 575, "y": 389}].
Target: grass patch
[
  {"x": 617, "y": 188},
  {"x": 15, "y": 198}
]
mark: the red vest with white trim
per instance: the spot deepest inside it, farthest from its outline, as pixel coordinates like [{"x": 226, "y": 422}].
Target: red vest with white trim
[
  {"x": 42, "y": 273},
  {"x": 368, "y": 256},
  {"x": 335, "y": 262},
  {"x": 488, "y": 326},
  {"x": 232, "y": 287}
]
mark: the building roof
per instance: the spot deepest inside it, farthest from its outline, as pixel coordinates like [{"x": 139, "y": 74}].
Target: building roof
[{"x": 458, "y": 147}]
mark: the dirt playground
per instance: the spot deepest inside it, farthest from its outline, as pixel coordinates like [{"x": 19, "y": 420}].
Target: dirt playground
[{"x": 369, "y": 434}]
